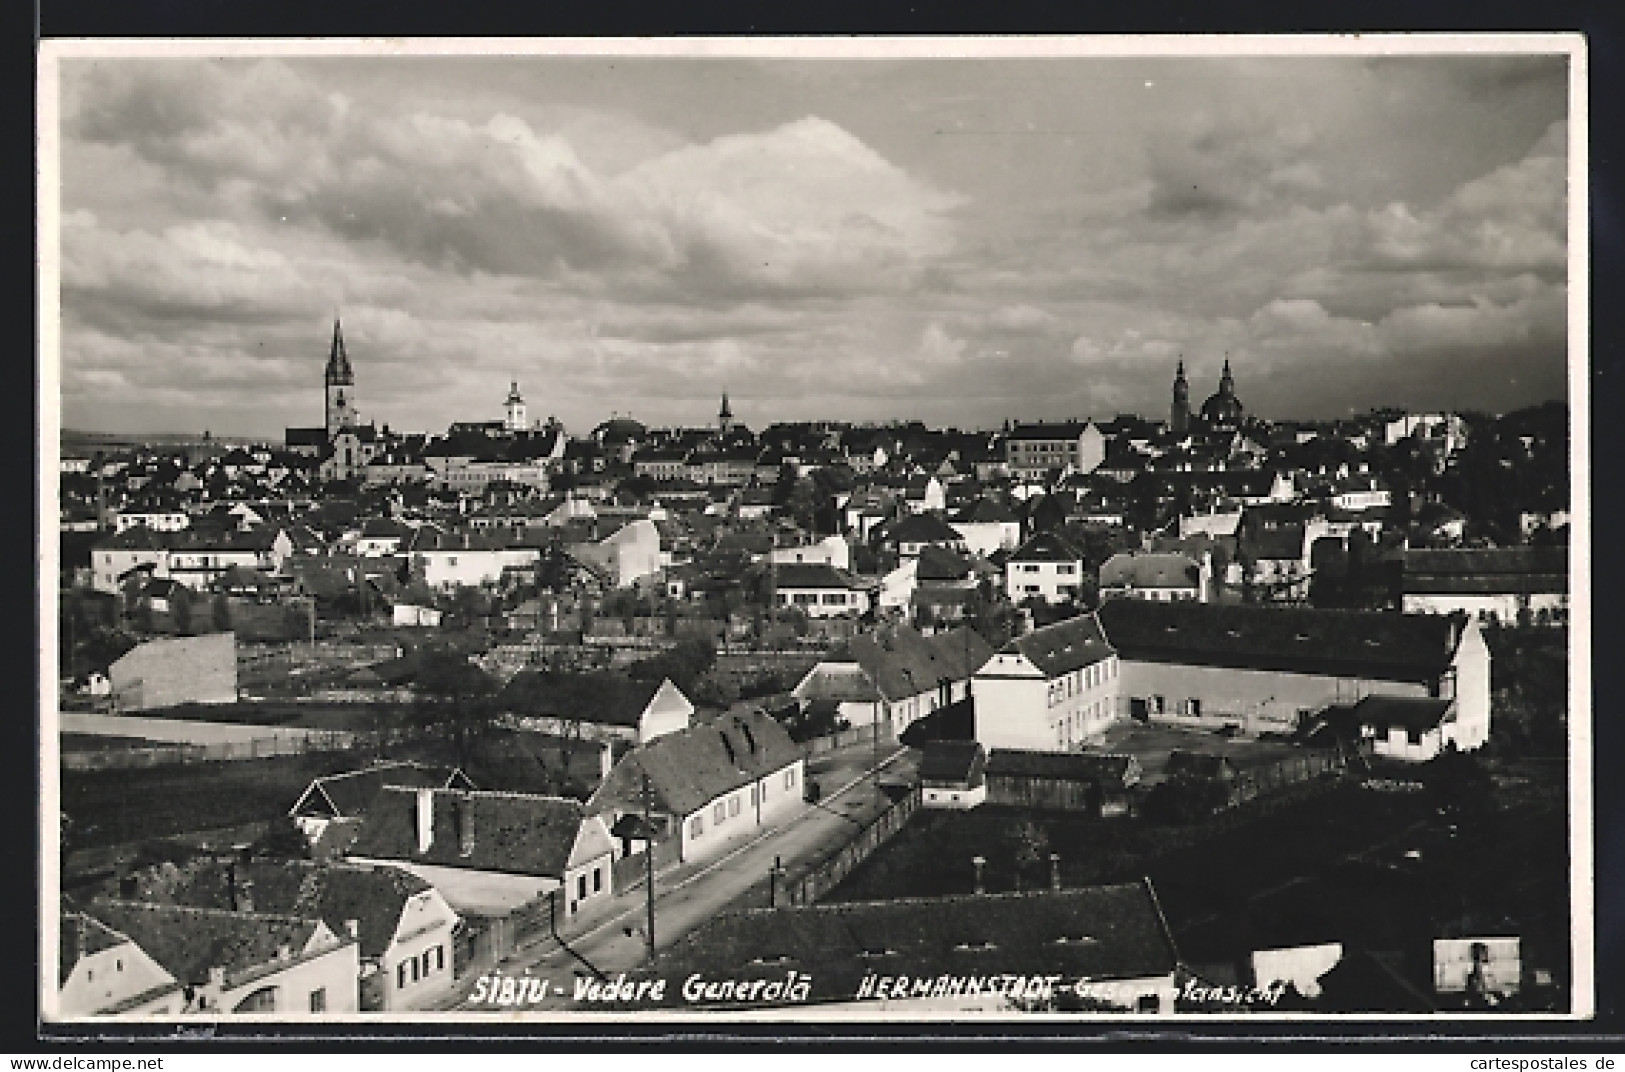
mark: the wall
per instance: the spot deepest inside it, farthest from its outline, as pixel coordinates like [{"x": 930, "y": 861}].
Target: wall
[
  {"x": 1266, "y": 696},
  {"x": 1046, "y": 794},
  {"x": 1048, "y": 581},
  {"x": 668, "y": 711},
  {"x": 778, "y": 794},
  {"x": 1472, "y": 664},
  {"x": 337, "y": 971},
  {"x": 104, "y": 979},
  {"x": 1397, "y": 745},
  {"x": 1503, "y": 607},
  {"x": 161, "y": 673},
  {"x": 427, "y": 923},
  {"x": 1016, "y": 707},
  {"x": 960, "y": 799}
]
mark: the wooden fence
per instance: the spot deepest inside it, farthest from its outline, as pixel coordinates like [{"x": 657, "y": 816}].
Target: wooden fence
[{"x": 823, "y": 876}]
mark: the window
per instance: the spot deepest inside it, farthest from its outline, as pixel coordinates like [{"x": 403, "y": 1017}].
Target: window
[
  {"x": 835, "y": 598},
  {"x": 1157, "y": 707},
  {"x": 414, "y": 969},
  {"x": 1194, "y": 706},
  {"x": 400, "y": 976},
  {"x": 733, "y": 805},
  {"x": 597, "y": 880},
  {"x": 1066, "y": 567},
  {"x": 753, "y": 796},
  {"x": 581, "y": 887},
  {"x": 1148, "y": 1003},
  {"x": 428, "y": 962},
  {"x": 1029, "y": 568},
  {"x": 719, "y": 813},
  {"x": 697, "y": 827},
  {"x": 790, "y": 778},
  {"x": 318, "y": 999},
  {"x": 439, "y": 958}
]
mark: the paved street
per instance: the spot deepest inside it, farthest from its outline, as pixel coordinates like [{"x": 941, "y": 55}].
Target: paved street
[{"x": 689, "y": 896}]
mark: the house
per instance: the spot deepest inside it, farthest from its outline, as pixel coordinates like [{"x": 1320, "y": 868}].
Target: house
[
  {"x": 1099, "y": 783},
  {"x": 819, "y": 590},
  {"x": 1168, "y": 577},
  {"x": 102, "y": 972},
  {"x": 490, "y": 853},
  {"x": 918, "y": 531},
  {"x": 1032, "y": 451},
  {"x": 924, "y": 494},
  {"x": 112, "y": 558},
  {"x": 241, "y": 962},
  {"x": 908, "y": 675},
  {"x": 175, "y": 670},
  {"x": 952, "y": 774},
  {"x": 403, "y": 926},
  {"x": 339, "y": 797},
  {"x": 1273, "y": 546},
  {"x": 831, "y": 551},
  {"x": 1414, "y": 729},
  {"x": 1271, "y": 668},
  {"x": 628, "y": 555},
  {"x": 415, "y": 616},
  {"x": 988, "y": 526},
  {"x": 1099, "y": 948},
  {"x": 1504, "y": 584},
  {"x": 452, "y": 559},
  {"x": 1051, "y": 689},
  {"x": 596, "y": 706},
  {"x": 707, "y": 785},
  {"x": 1046, "y": 568}
]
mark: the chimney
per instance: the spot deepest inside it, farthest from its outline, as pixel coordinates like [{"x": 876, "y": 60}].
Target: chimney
[
  {"x": 1055, "y": 871},
  {"x": 425, "y": 817},
  {"x": 606, "y": 760},
  {"x": 352, "y": 927},
  {"x": 465, "y": 824},
  {"x": 979, "y": 863},
  {"x": 217, "y": 977},
  {"x": 242, "y": 896}
]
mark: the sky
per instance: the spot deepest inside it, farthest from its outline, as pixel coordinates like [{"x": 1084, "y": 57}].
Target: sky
[{"x": 960, "y": 241}]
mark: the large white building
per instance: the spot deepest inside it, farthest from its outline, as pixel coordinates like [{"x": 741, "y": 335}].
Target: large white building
[
  {"x": 1046, "y": 567},
  {"x": 1053, "y": 689}
]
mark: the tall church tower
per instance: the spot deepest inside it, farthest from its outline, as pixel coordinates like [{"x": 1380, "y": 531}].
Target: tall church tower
[
  {"x": 1179, "y": 415},
  {"x": 341, "y": 412},
  {"x": 513, "y": 419},
  {"x": 725, "y": 416}
]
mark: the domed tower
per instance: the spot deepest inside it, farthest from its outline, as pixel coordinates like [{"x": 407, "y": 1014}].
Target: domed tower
[
  {"x": 1179, "y": 415},
  {"x": 341, "y": 411},
  {"x": 1222, "y": 413},
  {"x": 513, "y": 417}
]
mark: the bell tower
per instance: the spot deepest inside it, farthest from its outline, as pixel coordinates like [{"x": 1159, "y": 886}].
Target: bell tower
[
  {"x": 1179, "y": 415},
  {"x": 514, "y": 409},
  {"x": 341, "y": 412}
]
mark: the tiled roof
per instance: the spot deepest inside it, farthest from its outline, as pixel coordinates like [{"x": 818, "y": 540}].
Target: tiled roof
[
  {"x": 1068, "y": 430},
  {"x": 952, "y": 762},
  {"x": 1416, "y": 713},
  {"x": 1047, "y": 547},
  {"x": 187, "y": 942},
  {"x": 1106, "y": 768},
  {"x": 923, "y": 528},
  {"x": 598, "y": 698},
  {"x": 941, "y": 564},
  {"x": 1100, "y": 932},
  {"x": 513, "y": 833},
  {"x": 1068, "y": 645},
  {"x": 1393, "y": 647},
  {"x": 903, "y": 663},
  {"x": 349, "y": 794},
  {"x": 1149, "y": 571},
  {"x": 1521, "y": 570},
  {"x": 80, "y": 936},
  {"x": 812, "y": 575},
  {"x": 691, "y": 767}
]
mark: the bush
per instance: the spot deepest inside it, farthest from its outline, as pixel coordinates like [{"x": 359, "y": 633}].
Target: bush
[{"x": 1185, "y": 799}]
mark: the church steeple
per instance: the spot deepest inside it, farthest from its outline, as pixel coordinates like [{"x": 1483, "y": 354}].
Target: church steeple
[
  {"x": 1179, "y": 414},
  {"x": 725, "y": 416},
  {"x": 338, "y": 362},
  {"x": 1227, "y": 382},
  {"x": 341, "y": 411}
]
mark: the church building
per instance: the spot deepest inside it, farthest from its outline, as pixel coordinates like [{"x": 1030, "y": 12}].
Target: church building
[
  {"x": 1222, "y": 414},
  {"x": 343, "y": 443}
]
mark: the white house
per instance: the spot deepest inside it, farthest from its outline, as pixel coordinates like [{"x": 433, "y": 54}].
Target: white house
[
  {"x": 102, "y": 972},
  {"x": 1167, "y": 577},
  {"x": 489, "y": 853},
  {"x": 988, "y": 527},
  {"x": 830, "y": 551},
  {"x": 242, "y": 962},
  {"x": 819, "y": 590},
  {"x": 1053, "y": 689},
  {"x": 1033, "y": 450},
  {"x": 450, "y": 560},
  {"x": 412, "y": 615},
  {"x": 596, "y": 706},
  {"x": 708, "y": 785},
  {"x": 1046, "y": 567}
]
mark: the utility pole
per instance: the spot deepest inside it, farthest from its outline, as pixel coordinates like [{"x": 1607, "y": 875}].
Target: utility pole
[{"x": 648, "y": 862}]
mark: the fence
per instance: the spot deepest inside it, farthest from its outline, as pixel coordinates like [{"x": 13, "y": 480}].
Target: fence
[
  {"x": 828, "y": 872},
  {"x": 178, "y": 754},
  {"x": 1286, "y": 772},
  {"x": 857, "y": 735}
]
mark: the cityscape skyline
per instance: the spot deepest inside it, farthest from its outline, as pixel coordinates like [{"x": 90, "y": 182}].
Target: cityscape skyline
[{"x": 961, "y": 242}]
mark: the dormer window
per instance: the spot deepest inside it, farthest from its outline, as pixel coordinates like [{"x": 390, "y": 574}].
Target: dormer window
[{"x": 975, "y": 947}]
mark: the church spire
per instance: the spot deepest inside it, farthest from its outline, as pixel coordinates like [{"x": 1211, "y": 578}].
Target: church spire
[
  {"x": 338, "y": 362},
  {"x": 725, "y": 415},
  {"x": 1227, "y": 382}
]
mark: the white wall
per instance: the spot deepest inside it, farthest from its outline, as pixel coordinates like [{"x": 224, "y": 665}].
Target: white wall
[
  {"x": 337, "y": 971},
  {"x": 1267, "y": 695},
  {"x": 1046, "y": 580},
  {"x": 106, "y": 978},
  {"x": 778, "y": 797},
  {"x": 1018, "y": 707},
  {"x": 668, "y": 711},
  {"x": 984, "y": 537},
  {"x": 1472, "y": 662},
  {"x": 953, "y": 799},
  {"x": 426, "y": 925}
]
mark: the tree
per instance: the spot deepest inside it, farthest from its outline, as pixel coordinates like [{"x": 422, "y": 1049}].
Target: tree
[
  {"x": 456, "y": 696},
  {"x": 282, "y": 840},
  {"x": 1029, "y": 846},
  {"x": 222, "y": 612}
]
